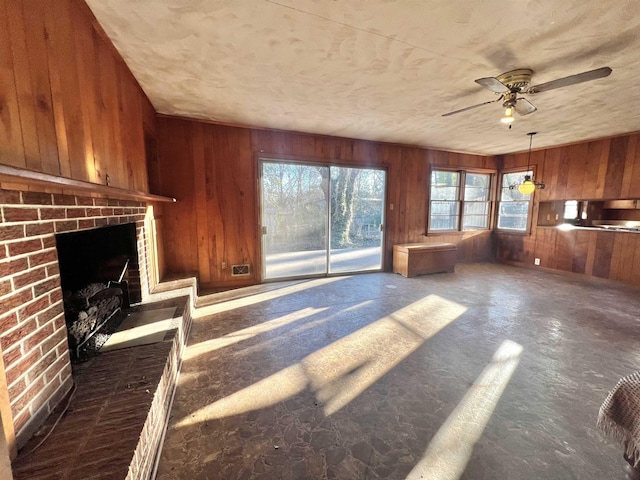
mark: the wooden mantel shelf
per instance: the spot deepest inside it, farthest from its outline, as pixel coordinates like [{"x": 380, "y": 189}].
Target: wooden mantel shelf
[{"x": 31, "y": 177}]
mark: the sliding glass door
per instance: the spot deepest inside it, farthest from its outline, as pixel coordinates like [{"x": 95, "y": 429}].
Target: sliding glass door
[
  {"x": 319, "y": 219},
  {"x": 357, "y": 210},
  {"x": 294, "y": 219}
]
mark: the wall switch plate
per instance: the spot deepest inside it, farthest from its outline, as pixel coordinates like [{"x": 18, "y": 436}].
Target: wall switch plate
[{"x": 536, "y": 261}]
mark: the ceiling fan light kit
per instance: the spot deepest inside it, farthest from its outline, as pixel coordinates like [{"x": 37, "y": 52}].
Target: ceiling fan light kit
[
  {"x": 517, "y": 82},
  {"x": 508, "y": 115}
]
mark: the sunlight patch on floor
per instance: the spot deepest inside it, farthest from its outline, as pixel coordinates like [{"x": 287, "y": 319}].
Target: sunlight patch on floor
[
  {"x": 264, "y": 393},
  {"x": 342, "y": 370},
  {"x": 197, "y": 349},
  {"x": 450, "y": 449},
  {"x": 205, "y": 311}
]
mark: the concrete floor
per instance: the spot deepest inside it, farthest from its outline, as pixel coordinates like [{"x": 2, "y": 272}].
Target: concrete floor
[{"x": 492, "y": 372}]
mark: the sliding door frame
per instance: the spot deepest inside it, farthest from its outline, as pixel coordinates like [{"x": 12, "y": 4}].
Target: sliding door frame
[{"x": 315, "y": 162}]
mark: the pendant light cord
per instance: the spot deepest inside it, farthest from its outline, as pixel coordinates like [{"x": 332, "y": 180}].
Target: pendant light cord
[{"x": 531, "y": 134}]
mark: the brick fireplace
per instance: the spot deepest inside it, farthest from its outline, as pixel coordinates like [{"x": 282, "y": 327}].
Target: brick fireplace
[{"x": 33, "y": 334}]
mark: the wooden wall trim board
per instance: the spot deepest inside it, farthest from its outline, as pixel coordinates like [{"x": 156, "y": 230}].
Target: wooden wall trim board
[
  {"x": 30, "y": 178},
  {"x": 8, "y": 443}
]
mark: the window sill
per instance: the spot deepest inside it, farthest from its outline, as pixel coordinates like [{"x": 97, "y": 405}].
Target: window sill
[
  {"x": 455, "y": 232},
  {"x": 513, "y": 232}
]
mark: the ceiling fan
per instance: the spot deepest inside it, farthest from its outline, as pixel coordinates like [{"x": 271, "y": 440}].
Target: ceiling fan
[{"x": 511, "y": 84}]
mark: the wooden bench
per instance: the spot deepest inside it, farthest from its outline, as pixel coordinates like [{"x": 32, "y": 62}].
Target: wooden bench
[{"x": 414, "y": 259}]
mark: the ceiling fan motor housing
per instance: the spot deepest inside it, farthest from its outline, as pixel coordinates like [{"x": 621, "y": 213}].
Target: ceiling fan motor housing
[{"x": 516, "y": 80}]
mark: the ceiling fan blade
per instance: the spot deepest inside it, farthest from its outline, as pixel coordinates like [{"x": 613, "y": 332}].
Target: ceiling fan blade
[
  {"x": 571, "y": 80},
  {"x": 524, "y": 106},
  {"x": 471, "y": 108},
  {"x": 492, "y": 84}
]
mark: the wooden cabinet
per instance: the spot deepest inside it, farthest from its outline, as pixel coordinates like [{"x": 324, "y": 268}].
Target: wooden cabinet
[
  {"x": 550, "y": 214},
  {"x": 621, "y": 204},
  {"x": 414, "y": 259}
]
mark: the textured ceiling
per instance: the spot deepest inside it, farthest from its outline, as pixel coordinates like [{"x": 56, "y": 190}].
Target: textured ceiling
[{"x": 383, "y": 69}]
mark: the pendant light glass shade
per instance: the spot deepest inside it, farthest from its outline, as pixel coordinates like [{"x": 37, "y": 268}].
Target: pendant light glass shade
[{"x": 527, "y": 187}]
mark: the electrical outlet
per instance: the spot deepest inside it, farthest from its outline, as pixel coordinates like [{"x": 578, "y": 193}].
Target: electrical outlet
[
  {"x": 223, "y": 265},
  {"x": 536, "y": 261}
]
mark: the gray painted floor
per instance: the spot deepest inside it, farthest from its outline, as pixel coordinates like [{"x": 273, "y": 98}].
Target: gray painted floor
[{"x": 492, "y": 372}]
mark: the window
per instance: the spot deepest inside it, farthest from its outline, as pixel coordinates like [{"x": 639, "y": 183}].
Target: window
[
  {"x": 459, "y": 200},
  {"x": 476, "y": 201},
  {"x": 513, "y": 213}
]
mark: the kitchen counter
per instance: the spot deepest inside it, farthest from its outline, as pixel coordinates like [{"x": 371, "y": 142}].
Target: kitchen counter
[{"x": 599, "y": 228}]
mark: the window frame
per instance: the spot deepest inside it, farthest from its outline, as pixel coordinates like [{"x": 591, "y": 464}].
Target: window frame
[
  {"x": 510, "y": 231},
  {"x": 462, "y": 172}
]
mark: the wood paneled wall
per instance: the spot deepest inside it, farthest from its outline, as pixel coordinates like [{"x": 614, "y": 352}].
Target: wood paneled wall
[
  {"x": 69, "y": 106},
  {"x": 595, "y": 170},
  {"x": 213, "y": 172}
]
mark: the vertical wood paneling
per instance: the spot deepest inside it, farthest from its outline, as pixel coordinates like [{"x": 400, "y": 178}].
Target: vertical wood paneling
[
  {"x": 22, "y": 76},
  {"x": 551, "y": 169},
  {"x": 602, "y": 169},
  {"x": 620, "y": 248},
  {"x": 581, "y": 250},
  {"x": 228, "y": 166},
  {"x": 177, "y": 179},
  {"x": 576, "y": 170},
  {"x": 11, "y": 147},
  {"x": 615, "y": 167},
  {"x": 591, "y": 252},
  {"x": 635, "y": 265},
  {"x": 85, "y": 69},
  {"x": 234, "y": 193},
  {"x": 65, "y": 87},
  {"x": 200, "y": 186},
  {"x": 55, "y": 49},
  {"x": 631, "y": 178},
  {"x": 591, "y": 164},
  {"x": 627, "y": 176},
  {"x": 36, "y": 34},
  {"x": 214, "y": 206},
  {"x": 604, "y": 251},
  {"x": 560, "y": 190},
  {"x": 70, "y": 106},
  {"x": 564, "y": 250},
  {"x": 132, "y": 135}
]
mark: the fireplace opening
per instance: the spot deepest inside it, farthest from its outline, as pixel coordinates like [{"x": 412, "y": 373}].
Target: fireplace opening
[{"x": 99, "y": 276}]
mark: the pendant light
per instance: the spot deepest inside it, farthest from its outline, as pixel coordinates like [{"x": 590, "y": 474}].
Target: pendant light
[{"x": 528, "y": 185}]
